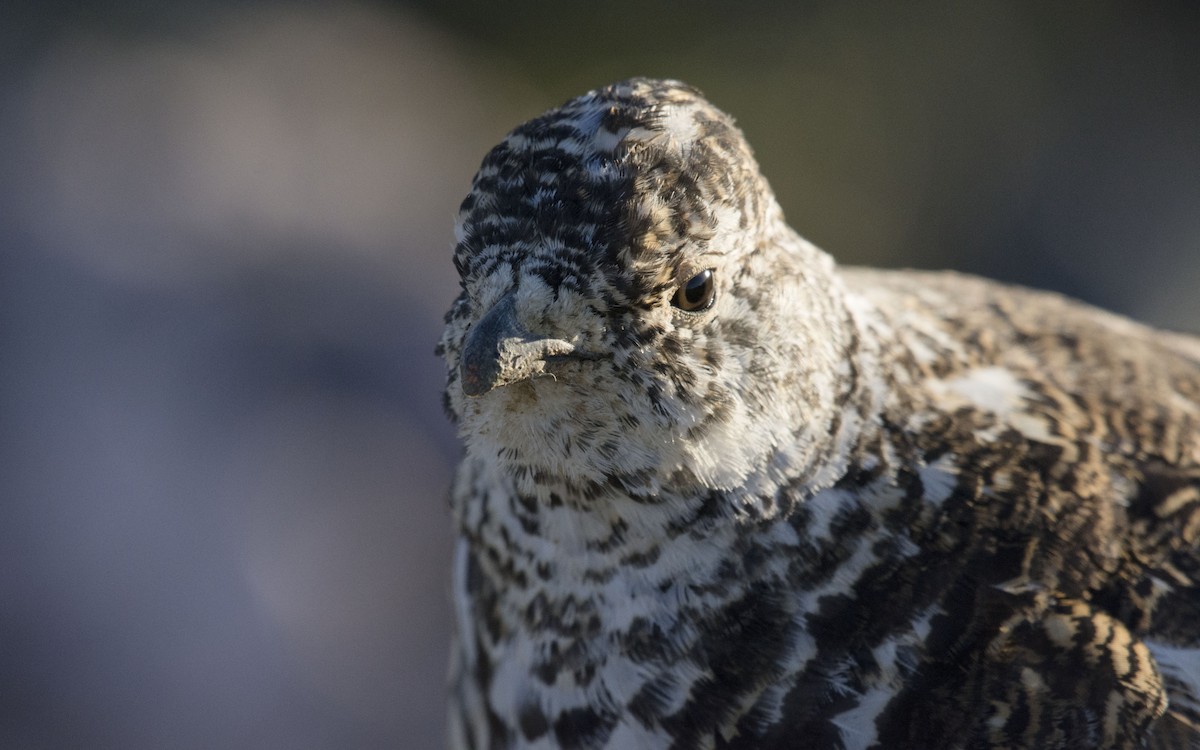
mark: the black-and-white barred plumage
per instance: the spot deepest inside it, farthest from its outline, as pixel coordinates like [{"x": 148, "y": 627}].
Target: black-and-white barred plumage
[{"x": 829, "y": 508}]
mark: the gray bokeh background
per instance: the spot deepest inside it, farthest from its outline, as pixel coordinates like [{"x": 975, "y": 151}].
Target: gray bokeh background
[{"x": 224, "y": 255}]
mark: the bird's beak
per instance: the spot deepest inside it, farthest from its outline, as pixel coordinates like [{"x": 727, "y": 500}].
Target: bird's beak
[{"x": 499, "y": 351}]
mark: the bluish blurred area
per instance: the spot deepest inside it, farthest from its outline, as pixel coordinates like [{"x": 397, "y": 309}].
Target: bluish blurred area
[{"x": 224, "y": 257}]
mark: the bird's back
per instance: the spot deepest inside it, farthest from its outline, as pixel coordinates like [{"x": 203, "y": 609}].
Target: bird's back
[{"x": 1075, "y": 433}]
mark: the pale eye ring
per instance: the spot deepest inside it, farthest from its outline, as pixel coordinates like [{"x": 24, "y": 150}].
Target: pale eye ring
[{"x": 697, "y": 294}]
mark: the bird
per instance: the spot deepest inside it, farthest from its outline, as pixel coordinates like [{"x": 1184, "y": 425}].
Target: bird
[{"x": 718, "y": 491}]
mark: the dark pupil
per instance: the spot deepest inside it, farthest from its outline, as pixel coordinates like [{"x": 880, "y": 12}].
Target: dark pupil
[{"x": 697, "y": 289}]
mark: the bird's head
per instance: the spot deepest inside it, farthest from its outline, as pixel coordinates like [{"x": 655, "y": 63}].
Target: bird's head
[{"x": 634, "y": 312}]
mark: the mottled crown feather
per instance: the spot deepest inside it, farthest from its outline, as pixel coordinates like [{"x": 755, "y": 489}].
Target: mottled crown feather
[{"x": 620, "y": 176}]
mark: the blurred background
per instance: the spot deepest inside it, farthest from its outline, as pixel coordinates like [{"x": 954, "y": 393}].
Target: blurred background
[{"x": 224, "y": 257}]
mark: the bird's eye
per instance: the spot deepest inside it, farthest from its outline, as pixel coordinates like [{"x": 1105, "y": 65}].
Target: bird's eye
[{"x": 697, "y": 294}]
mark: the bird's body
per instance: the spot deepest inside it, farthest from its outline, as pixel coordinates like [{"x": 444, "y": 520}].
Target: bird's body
[{"x": 720, "y": 493}]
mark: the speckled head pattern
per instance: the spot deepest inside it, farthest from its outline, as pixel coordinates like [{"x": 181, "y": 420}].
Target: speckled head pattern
[{"x": 580, "y": 227}]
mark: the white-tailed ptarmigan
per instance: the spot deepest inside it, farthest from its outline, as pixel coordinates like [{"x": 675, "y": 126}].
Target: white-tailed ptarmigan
[{"x": 721, "y": 493}]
